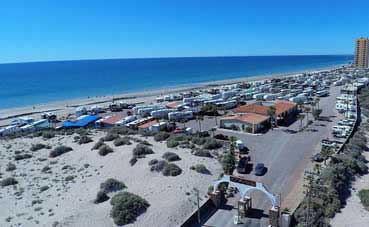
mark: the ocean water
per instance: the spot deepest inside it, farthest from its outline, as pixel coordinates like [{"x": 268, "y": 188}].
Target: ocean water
[{"x": 24, "y": 84}]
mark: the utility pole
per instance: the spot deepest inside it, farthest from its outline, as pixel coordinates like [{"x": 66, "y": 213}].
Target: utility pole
[
  {"x": 313, "y": 187},
  {"x": 309, "y": 177},
  {"x": 198, "y": 205}
]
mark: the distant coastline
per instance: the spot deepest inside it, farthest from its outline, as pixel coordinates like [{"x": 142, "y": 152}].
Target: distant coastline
[
  {"x": 63, "y": 107},
  {"x": 41, "y": 83}
]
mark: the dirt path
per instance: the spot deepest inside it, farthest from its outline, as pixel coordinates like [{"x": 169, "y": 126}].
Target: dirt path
[{"x": 354, "y": 214}]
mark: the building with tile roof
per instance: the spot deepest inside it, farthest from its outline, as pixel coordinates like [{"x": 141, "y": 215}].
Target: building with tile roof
[{"x": 250, "y": 122}]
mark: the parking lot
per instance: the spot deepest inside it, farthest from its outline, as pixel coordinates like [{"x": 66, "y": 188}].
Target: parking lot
[{"x": 286, "y": 153}]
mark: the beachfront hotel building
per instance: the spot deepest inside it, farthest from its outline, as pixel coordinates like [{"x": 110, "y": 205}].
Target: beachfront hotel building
[{"x": 361, "y": 53}]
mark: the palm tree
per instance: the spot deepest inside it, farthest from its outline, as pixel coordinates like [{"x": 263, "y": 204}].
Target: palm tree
[
  {"x": 232, "y": 144},
  {"x": 301, "y": 107},
  {"x": 300, "y": 117},
  {"x": 317, "y": 100},
  {"x": 326, "y": 153},
  {"x": 183, "y": 121},
  {"x": 317, "y": 168},
  {"x": 271, "y": 113},
  {"x": 307, "y": 110},
  {"x": 199, "y": 119}
]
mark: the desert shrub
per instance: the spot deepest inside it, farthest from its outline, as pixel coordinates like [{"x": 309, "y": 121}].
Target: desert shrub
[
  {"x": 59, "y": 151},
  {"x": 44, "y": 188},
  {"x": 172, "y": 143},
  {"x": 177, "y": 139},
  {"x": 161, "y": 136},
  {"x": 82, "y": 132},
  {"x": 98, "y": 144},
  {"x": 212, "y": 144},
  {"x": 180, "y": 137},
  {"x": 48, "y": 134},
  {"x": 133, "y": 161},
  {"x": 22, "y": 156},
  {"x": 201, "y": 134},
  {"x": 200, "y": 168},
  {"x": 10, "y": 167},
  {"x": 158, "y": 166},
  {"x": 8, "y": 181},
  {"x": 122, "y": 141},
  {"x": 198, "y": 140},
  {"x": 145, "y": 142},
  {"x": 137, "y": 140},
  {"x": 171, "y": 156},
  {"x": 104, "y": 150},
  {"x": 112, "y": 185},
  {"x": 145, "y": 133},
  {"x": 84, "y": 139},
  {"x": 140, "y": 151},
  {"x": 38, "y": 146},
  {"x": 111, "y": 136},
  {"x": 37, "y": 134},
  {"x": 364, "y": 197},
  {"x": 46, "y": 169},
  {"x": 69, "y": 178},
  {"x": 201, "y": 153},
  {"x": 171, "y": 169},
  {"x": 153, "y": 162},
  {"x": 122, "y": 131},
  {"x": 101, "y": 197},
  {"x": 228, "y": 163},
  {"x": 126, "y": 207}
]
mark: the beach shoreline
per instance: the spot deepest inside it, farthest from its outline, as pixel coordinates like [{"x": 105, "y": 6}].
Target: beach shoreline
[{"x": 63, "y": 107}]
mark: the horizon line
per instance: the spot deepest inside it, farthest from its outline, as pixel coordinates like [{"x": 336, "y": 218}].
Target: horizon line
[{"x": 170, "y": 57}]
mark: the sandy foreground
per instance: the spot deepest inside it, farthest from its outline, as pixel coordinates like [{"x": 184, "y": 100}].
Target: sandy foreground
[
  {"x": 354, "y": 214},
  {"x": 70, "y": 203}
]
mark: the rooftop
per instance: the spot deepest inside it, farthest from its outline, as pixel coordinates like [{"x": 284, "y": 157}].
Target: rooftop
[
  {"x": 112, "y": 119},
  {"x": 148, "y": 124},
  {"x": 281, "y": 107},
  {"x": 252, "y": 118}
]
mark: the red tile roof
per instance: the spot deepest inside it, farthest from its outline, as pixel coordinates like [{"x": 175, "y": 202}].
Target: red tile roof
[
  {"x": 112, "y": 119},
  {"x": 280, "y": 106},
  {"x": 251, "y": 118},
  {"x": 172, "y": 105},
  {"x": 148, "y": 124},
  {"x": 284, "y": 106},
  {"x": 252, "y": 108}
]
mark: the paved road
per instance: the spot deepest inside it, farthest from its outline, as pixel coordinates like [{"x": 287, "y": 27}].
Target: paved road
[{"x": 286, "y": 155}]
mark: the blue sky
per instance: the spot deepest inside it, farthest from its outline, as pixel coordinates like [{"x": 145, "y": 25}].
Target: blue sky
[{"x": 43, "y": 30}]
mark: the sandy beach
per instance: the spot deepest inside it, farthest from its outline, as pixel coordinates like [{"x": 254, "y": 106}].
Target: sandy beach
[{"x": 65, "y": 107}]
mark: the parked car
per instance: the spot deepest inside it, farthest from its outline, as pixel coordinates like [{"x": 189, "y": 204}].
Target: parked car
[
  {"x": 317, "y": 158},
  {"x": 221, "y": 137},
  {"x": 179, "y": 130},
  {"x": 259, "y": 169},
  {"x": 242, "y": 165},
  {"x": 328, "y": 143}
]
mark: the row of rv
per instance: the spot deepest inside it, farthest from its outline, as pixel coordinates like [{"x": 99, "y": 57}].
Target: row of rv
[
  {"x": 298, "y": 89},
  {"x": 25, "y": 124},
  {"x": 346, "y": 104}
]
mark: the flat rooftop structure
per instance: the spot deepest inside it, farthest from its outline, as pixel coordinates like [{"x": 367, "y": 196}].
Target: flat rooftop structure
[{"x": 82, "y": 121}]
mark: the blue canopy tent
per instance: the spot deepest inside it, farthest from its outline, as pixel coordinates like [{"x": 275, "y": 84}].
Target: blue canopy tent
[{"x": 82, "y": 122}]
